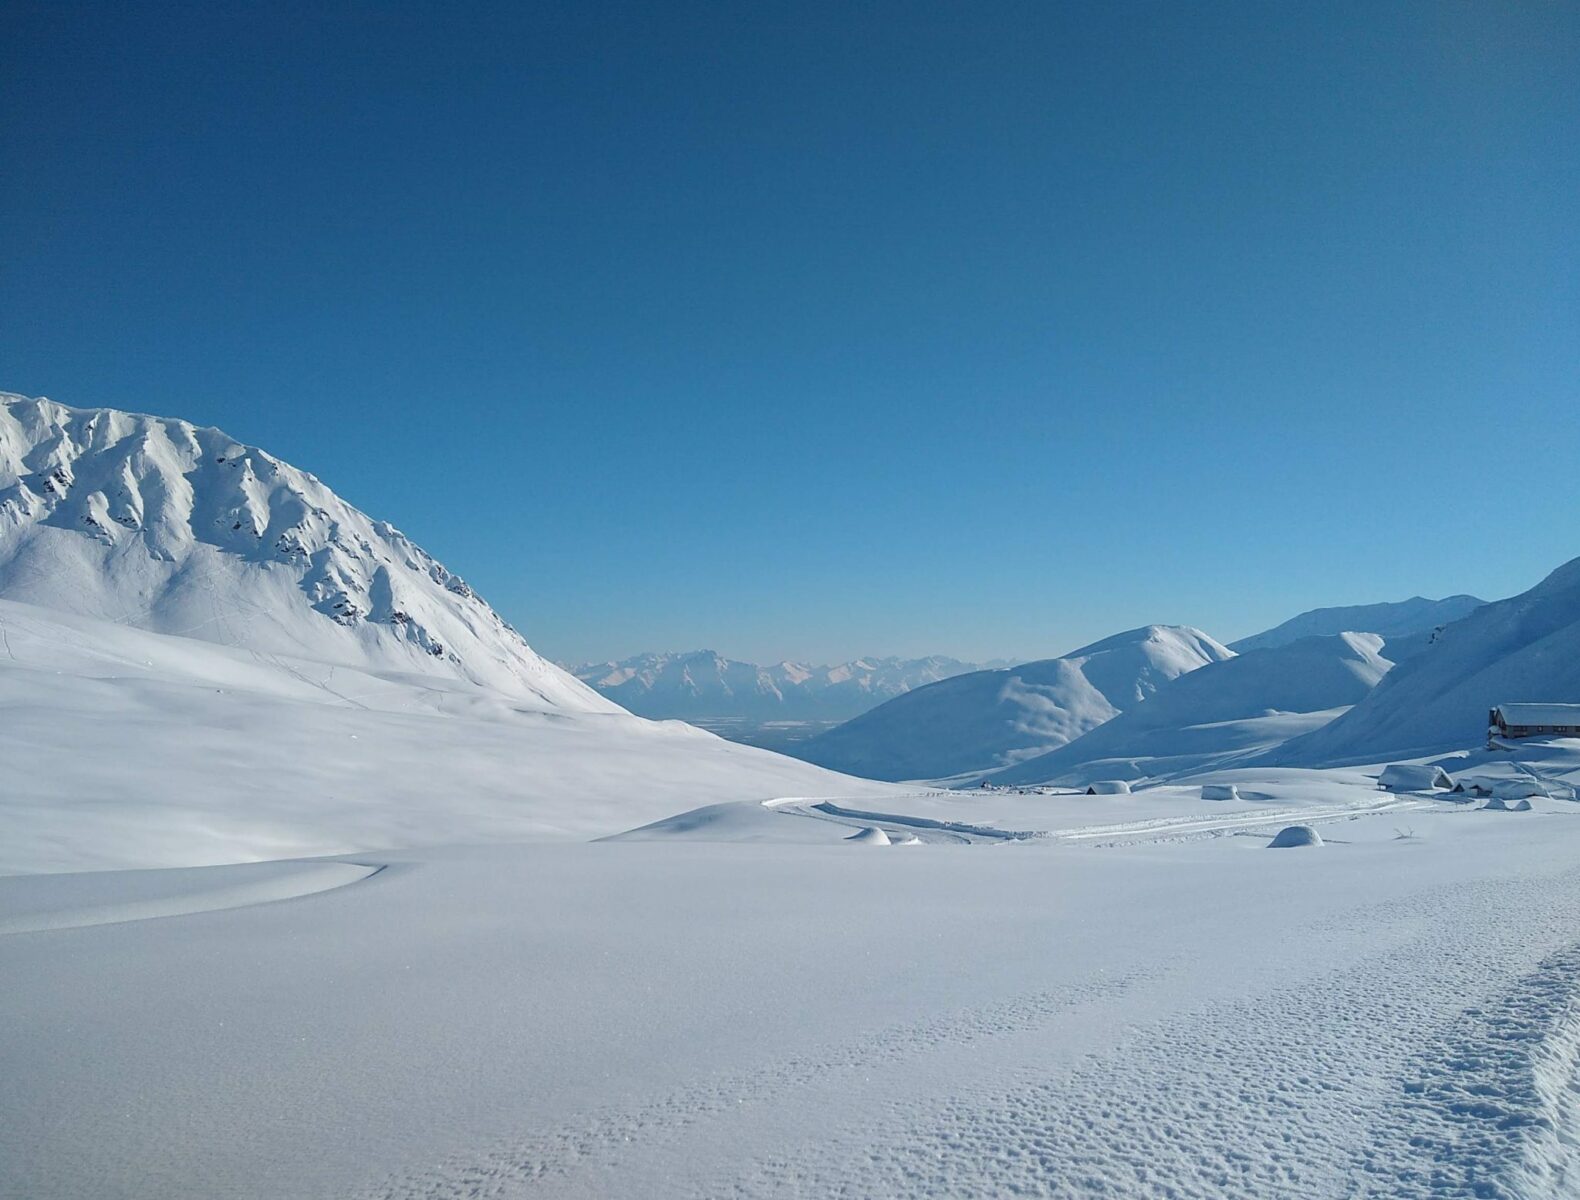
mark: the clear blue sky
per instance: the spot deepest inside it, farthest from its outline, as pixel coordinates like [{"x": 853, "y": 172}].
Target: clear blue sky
[{"x": 814, "y": 330}]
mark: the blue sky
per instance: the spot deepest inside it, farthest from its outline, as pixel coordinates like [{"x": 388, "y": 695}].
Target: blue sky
[{"x": 814, "y": 330}]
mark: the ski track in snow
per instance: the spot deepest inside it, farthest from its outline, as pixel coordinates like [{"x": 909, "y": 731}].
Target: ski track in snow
[
  {"x": 925, "y": 828},
  {"x": 551, "y": 1160},
  {"x": 1399, "y": 1075},
  {"x": 1155, "y": 829},
  {"x": 1187, "y": 827}
]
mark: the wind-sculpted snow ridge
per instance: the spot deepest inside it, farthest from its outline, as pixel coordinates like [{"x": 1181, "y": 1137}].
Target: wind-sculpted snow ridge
[{"x": 158, "y": 523}]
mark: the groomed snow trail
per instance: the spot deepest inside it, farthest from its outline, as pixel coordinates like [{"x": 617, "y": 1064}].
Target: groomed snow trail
[
  {"x": 1183, "y": 828},
  {"x": 926, "y": 829},
  {"x": 1154, "y": 829},
  {"x": 1374, "y": 1079}
]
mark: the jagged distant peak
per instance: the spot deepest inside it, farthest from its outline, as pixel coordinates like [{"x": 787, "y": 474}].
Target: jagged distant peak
[{"x": 706, "y": 684}]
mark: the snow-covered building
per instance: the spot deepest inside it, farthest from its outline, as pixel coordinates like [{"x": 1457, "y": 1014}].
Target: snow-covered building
[
  {"x": 1534, "y": 720},
  {"x": 1413, "y": 777}
]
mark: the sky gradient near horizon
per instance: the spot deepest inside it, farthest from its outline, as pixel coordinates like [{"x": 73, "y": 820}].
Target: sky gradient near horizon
[{"x": 813, "y": 330}]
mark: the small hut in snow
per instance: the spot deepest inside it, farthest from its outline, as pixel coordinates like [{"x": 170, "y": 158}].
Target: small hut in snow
[
  {"x": 1522, "y": 787},
  {"x": 1108, "y": 787},
  {"x": 1413, "y": 777}
]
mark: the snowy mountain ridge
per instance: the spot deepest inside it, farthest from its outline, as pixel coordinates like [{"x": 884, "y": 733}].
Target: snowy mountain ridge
[
  {"x": 167, "y": 526},
  {"x": 986, "y": 720},
  {"x": 1226, "y": 709},
  {"x": 703, "y": 683},
  {"x": 1393, "y": 619},
  {"x": 1524, "y": 648}
]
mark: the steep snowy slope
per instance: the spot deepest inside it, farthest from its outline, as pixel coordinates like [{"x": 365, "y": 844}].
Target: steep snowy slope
[
  {"x": 123, "y": 748},
  {"x": 1523, "y": 648},
  {"x": 156, "y": 523},
  {"x": 703, "y": 684},
  {"x": 991, "y": 719},
  {"x": 1245, "y": 703},
  {"x": 219, "y": 661},
  {"x": 1394, "y": 620}
]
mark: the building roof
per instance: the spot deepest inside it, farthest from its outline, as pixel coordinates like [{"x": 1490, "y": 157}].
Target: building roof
[{"x": 1540, "y": 714}]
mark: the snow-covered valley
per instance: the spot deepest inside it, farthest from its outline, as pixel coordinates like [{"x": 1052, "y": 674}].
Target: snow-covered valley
[{"x": 317, "y": 881}]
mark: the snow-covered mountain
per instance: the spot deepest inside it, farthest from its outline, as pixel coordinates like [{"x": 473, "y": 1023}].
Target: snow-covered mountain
[
  {"x": 1396, "y": 620},
  {"x": 206, "y": 656},
  {"x": 158, "y": 523},
  {"x": 1242, "y": 704},
  {"x": 1524, "y": 648},
  {"x": 986, "y": 720},
  {"x": 703, "y": 684}
]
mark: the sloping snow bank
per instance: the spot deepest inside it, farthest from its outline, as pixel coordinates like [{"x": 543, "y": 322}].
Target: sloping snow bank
[{"x": 124, "y": 748}]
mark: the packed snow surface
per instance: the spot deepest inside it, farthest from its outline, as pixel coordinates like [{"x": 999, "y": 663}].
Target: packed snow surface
[
  {"x": 1115, "y": 995},
  {"x": 990, "y": 719}
]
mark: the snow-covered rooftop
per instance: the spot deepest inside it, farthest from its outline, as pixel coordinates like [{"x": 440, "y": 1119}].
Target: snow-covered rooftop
[{"x": 1540, "y": 714}]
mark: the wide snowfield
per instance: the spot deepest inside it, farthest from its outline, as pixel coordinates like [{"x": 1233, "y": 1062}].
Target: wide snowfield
[{"x": 1146, "y": 1002}]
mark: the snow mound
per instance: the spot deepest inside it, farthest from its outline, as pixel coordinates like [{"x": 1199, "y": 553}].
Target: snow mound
[
  {"x": 1292, "y": 836},
  {"x": 1219, "y": 791},
  {"x": 1499, "y": 804},
  {"x": 870, "y": 836},
  {"x": 986, "y": 720}
]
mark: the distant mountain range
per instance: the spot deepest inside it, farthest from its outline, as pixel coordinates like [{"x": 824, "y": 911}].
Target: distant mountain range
[
  {"x": 1157, "y": 700},
  {"x": 706, "y": 686}
]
